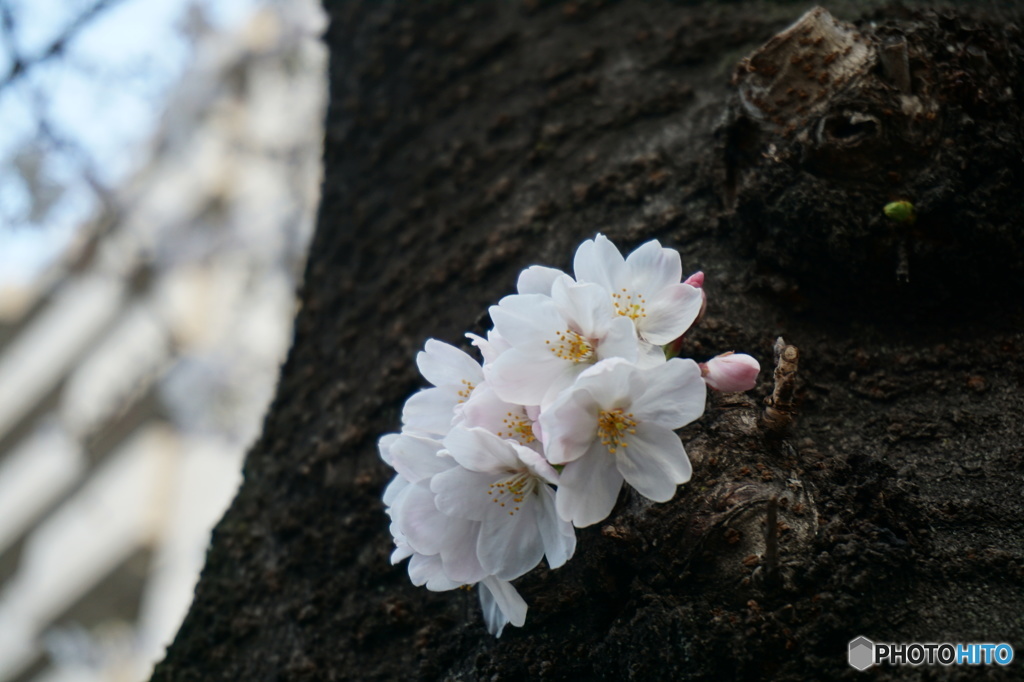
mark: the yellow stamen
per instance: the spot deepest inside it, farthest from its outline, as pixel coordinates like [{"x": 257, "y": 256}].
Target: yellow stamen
[
  {"x": 466, "y": 390},
  {"x": 516, "y": 487},
  {"x": 519, "y": 428},
  {"x": 571, "y": 346},
  {"x": 613, "y": 426},
  {"x": 633, "y": 306}
]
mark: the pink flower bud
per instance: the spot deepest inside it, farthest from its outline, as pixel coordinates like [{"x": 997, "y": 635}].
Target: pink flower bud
[
  {"x": 730, "y": 372},
  {"x": 697, "y": 280}
]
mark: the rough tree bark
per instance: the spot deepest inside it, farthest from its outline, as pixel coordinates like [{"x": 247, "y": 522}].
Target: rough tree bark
[{"x": 465, "y": 141}]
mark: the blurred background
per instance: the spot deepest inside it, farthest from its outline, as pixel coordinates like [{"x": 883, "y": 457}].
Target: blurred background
[{"x": 159, "y": 175}]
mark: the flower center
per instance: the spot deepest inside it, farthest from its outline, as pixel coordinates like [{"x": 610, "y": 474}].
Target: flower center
[
  {"x": 467, "y": 388},
  {"x": 613, "y": 426},
  {"x": 571, "y": 346},
  {"x": 633, "y": 306},
  {"x": 517, "y": 428},
  {"x": 510, "y": 492}
]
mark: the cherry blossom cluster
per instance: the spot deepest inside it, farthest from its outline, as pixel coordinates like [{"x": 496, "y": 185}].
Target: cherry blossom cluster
[{"x": 499, "y": 461}]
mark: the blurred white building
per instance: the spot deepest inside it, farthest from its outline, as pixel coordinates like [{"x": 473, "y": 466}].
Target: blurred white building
[{"x": 135, "y": 375}]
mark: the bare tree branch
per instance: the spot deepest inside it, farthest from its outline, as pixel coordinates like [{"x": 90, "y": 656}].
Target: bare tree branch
[{"x": 21, "y": 64}]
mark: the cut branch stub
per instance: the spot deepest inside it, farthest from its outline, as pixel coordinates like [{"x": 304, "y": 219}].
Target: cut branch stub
[
  {"x": 779, "y": 406},
  {"x": 791, "y": 78},
  {"x": 817, "y": 84}
]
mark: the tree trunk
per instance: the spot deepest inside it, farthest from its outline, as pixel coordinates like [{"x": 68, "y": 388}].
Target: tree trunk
[{"x": 465, "y": 141}]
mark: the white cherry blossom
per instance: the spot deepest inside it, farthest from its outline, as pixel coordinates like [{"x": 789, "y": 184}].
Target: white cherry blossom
[
  {"x": 553, "y": 339},
  {"x": 506, "y": 488},
  {"x": 499, "y": 460},
  {"x": 454, "y": 375},
  {"x": 442, "y": 550},
  {"x": 645, "y": 286},
  {"x": 505, "y": 420},
  {"x": 417, "y": 460},
  {"x": 616, "y": 423}
]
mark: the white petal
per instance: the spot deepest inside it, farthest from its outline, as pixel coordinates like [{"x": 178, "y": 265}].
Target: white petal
[
  {"x": 538, "y": 432},
  {"x": 395, "y": 508},
  {"x": 561, "y": 382},
  {"x": 537, "y": 280},
  {"x": 674, "y": 395},
  {"x": 396, "y": 486},
  {"x": 611, "y": 383},
  {"x": 459, "y": 559},
  {"x": 430, "y": 411},
  {"x": 536, "y": 464},
  {"x": 501, "y": 605},
  {"x": 461, "y": 493},
  {"x": 558, "y": 536},
  {"x": 491, "y": 347},
  {"x": 670, "y": 313},
  {"x": 598, "y": 261},
  {"x": 510, "y": 543},
  {"x": 587, "y": 306},
  {"x": 426, "y": 529},
  {"x": 588, "y": 488},
  {"x": 384, "y": 446},
  {"x": 569, "y": 426},
  {"x": 527, "y": 379},
  {"x": 444, "y": 365},
  {"x": 428, "y": 570},
  {"x": 526, "y": 321},
  {"x": 402, "y": 552},
  {"x": 650, "y": 355},
  {"x": 651, "y": 268},
  {"x": 654, "y": 462},
  {"x": 619, "y": 341},
  {"x": 416, "y": 458},
  {"x": 480, "y": 450}
]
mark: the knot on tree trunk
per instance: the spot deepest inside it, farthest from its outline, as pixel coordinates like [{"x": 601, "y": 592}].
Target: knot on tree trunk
[{"x": 832, "y": 121}]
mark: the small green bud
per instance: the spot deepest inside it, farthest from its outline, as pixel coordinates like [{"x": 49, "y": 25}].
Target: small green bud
[{"x": 900, "y": 212}]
